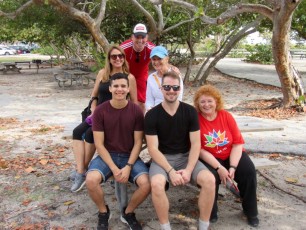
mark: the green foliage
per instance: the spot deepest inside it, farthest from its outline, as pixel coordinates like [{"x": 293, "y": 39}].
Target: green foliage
[
  {"x": 120, "y": 20},
  {"x": 301, "y": 100},
  {"x": 45, "y": 50},
  {"x": 299, "y": 20},
  {"x": 98, "y": 56},
  {"x": 260, "y": 53}
]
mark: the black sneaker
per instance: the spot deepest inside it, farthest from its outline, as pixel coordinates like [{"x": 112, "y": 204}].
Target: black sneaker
[
  {"x": 131, "y": 221},
  {"x": 253, "y": 221},
  {"x": 103, "y": 219}
]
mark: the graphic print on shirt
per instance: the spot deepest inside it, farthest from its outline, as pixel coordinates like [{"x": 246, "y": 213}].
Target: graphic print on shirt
[{"x": 216, "y": 139}]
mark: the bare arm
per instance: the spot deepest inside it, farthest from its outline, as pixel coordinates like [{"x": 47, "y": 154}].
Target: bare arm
[
  {"x": 133, "y": 88},
  {"x": 95, "y": 91},
  {"x": 213, "y": 162},
  {"x": 104, "y": 154},
  {"x": 235, "y": 158},
  {"x": 194, "y": 154},
  {"x": 157, "y": 156},
  {"x": 138, "y": 136},
  {"x": 160, "y": 159}
]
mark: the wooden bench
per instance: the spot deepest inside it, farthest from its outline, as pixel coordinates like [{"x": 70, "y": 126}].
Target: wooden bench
[
  {"x": 63, "y": 80},
  {"x": 10, "y": 66},
  {"x": 298, "y": 54}
]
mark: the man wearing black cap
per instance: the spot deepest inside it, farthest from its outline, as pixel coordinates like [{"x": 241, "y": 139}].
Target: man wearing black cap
[{"x": 137, "y": 51}]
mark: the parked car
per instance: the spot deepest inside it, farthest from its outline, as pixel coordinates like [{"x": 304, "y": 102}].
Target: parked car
[
  {"x": 20, "y": 49},
  {"x": 4, "y": 50}
]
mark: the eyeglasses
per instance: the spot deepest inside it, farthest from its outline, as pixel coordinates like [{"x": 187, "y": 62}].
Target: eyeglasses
[
  {"x": 115, "y": 56},
  {"x": 137, "y": 57},
  {"x": 169, "y": 87}
]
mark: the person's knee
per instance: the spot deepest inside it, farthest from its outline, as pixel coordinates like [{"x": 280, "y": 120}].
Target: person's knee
[
  {"x": 143, "y": 182},
  {"x": 93, "y": 178},
  {"x": 157, "y": 185},
  {"x": 207, "y": 180}
]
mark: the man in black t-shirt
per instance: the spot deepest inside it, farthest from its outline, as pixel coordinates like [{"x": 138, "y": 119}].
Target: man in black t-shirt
[{"x": 173, "y": 140}]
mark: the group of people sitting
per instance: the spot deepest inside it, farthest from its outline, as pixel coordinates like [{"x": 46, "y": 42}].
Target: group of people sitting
[{"x": 198, "y": 144}]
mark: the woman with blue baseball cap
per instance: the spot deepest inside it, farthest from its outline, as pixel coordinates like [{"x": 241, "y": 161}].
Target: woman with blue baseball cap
[{"x": 160, "y": 62}]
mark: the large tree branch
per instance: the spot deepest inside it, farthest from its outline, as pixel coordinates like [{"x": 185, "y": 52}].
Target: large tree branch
[
  {"x": 146, "y": 14},
  {"x": 178, "y": 25},
  {"x": 13, "y": 15},
  {"x": 228, "y": 14},
  {"x": 160, "y": 22},
  {"x": 101, "y": 14}
]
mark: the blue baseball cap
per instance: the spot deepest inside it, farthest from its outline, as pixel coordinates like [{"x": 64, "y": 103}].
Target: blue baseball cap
[{"x": 159, "y": 51}]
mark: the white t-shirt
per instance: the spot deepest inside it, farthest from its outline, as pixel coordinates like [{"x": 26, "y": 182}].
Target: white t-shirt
[{"x": 154, "y": 95}]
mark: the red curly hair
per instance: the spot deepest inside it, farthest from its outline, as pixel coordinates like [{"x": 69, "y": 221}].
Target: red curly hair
[{"x": 211, "y": 91}]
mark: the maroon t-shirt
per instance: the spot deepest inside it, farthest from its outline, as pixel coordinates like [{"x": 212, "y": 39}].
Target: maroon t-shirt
[{"x": 118, "y": 125}]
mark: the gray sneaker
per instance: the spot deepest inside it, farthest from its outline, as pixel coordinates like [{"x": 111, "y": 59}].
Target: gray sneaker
[
  {"x": 72, "y": 175},
  {"x": 78, "y": 183}
]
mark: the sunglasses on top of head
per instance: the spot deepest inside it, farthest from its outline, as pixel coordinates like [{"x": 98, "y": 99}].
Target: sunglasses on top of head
[
  {"x": 115, "y": 56},
  {"x": 169, "y": 87}
]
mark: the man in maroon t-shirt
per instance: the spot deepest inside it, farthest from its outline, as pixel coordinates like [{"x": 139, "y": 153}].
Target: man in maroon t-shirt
[
  {"x": 118, "y": 132},
  {"x": 137, "y": 51}
]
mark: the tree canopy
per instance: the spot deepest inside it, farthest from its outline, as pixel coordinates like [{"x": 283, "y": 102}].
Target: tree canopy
[{"x": 169, "y": 21}]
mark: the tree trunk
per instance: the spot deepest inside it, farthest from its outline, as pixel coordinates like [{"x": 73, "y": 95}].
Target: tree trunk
[
  {"x": 93, "y": 25},
  {"x": 190, "y": 62},
  {"x": 225, "y": 48},
  {"x": 280, "y": 47}
]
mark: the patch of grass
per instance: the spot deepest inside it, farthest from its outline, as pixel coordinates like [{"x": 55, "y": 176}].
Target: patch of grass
[{"x": 15, "y": 58}]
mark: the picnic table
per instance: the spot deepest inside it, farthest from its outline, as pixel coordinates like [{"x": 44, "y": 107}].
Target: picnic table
[
  {"x": 73, "y": 63},
  {"x": 67, "y": 77},
  {"x": 10, "y": 66}
]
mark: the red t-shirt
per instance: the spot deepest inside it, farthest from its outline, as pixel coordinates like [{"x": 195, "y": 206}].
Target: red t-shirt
[
  {"x": 139, "y": 69},
  {"x": 218, "y": 136}
]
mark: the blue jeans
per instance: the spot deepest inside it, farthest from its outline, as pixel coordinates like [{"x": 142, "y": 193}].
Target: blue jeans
[{"x": 120, "y": 159}]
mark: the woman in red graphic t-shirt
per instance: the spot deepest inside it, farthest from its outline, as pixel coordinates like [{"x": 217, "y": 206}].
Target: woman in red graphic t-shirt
[{"x": 223, "y": 153}]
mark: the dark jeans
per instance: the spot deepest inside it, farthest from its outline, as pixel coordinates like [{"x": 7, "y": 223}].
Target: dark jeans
[
  {"x": 80, "y": 130},
  {"x": 245, "y": 176}
]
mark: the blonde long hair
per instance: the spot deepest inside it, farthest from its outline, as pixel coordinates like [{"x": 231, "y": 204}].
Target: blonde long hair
[{"x": 108, "y": 66}]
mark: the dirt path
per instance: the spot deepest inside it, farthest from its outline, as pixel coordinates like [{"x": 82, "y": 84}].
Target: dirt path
[{"x": 35, "y": 163}]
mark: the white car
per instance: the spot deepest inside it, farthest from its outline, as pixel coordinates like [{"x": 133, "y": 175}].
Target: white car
[{"x": 7, "y": 51}]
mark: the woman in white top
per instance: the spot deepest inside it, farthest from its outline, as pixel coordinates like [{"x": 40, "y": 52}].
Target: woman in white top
[{"x": 160, "y": 61}]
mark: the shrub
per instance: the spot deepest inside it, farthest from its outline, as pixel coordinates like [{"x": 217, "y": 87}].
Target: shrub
[{"x": 260, "y": 53}]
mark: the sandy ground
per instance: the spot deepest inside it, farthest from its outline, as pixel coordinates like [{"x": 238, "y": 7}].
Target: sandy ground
[{"x": 35, "y": 162}]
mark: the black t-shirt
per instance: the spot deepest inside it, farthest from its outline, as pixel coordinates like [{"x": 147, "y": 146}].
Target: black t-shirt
[
  {"x": 104, "y": 93},
  {"x": 172, "y": 131}
]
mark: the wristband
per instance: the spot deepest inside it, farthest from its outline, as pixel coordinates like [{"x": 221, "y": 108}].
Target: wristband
[
  {"x": 94, "y": 98},
  {"x": 131, "y": 165},
  {"x": 218, "y": 167},
  {"x": 170, "y": 170},
  {"x": 234, "y": 167}
]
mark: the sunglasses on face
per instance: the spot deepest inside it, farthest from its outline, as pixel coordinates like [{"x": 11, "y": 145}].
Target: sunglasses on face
[
  {"x": 169, "y": 87},
  {"x": 115, "y": 56}
]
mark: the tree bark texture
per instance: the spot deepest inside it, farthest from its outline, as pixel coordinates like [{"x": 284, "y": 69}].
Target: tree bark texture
[{"x": 282, "y": 17}]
